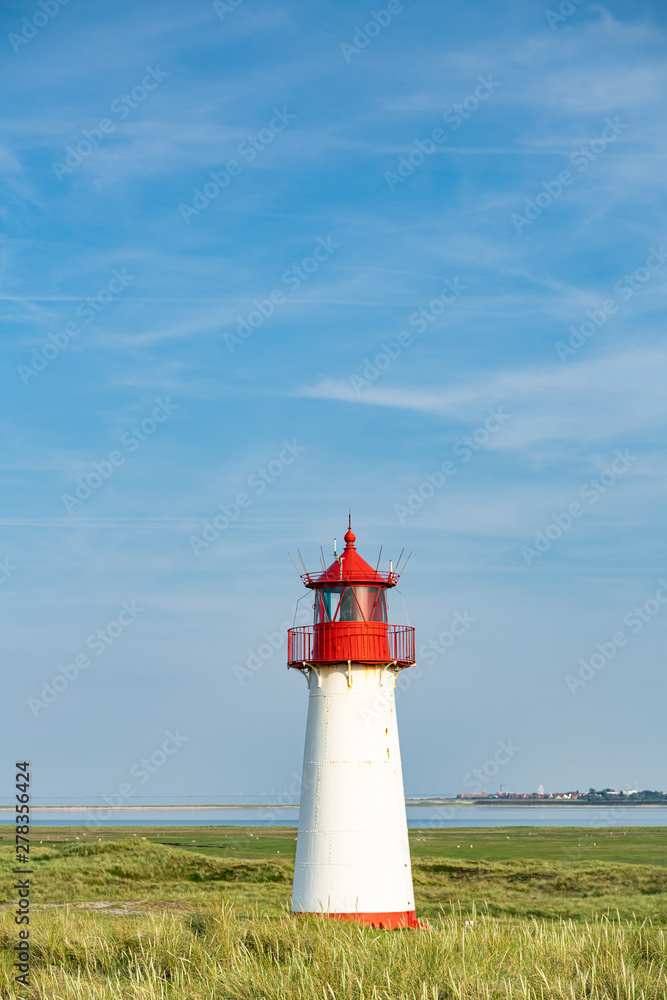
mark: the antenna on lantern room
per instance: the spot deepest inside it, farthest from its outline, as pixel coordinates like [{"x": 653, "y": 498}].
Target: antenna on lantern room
[{"x": 294, "y": 564}]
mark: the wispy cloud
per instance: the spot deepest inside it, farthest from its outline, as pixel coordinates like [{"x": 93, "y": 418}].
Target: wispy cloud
[
  {"x": 291, "y": 378},
  {"x": 588, "y": 401}
]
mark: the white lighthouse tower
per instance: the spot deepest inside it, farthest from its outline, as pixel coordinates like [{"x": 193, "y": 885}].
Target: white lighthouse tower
[{"x": 352, "y": 855}]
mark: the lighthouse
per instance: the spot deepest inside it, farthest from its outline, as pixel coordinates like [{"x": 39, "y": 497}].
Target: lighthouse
[{"x": 352, "y": 854}]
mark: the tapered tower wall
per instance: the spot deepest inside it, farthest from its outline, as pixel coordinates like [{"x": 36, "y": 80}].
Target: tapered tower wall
[{"x": 353, "y": 857}]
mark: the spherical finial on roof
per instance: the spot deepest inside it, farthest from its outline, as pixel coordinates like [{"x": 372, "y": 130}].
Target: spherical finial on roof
[{"x": 350, "y": 537}]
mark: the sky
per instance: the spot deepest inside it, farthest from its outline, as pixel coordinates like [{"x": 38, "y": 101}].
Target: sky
[{"x": 265, "y": 263}]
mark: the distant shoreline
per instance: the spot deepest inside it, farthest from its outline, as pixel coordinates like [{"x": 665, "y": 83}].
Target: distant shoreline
[
  {"x": 538, "y": 802},
  {"x": 577, "y": 805}
]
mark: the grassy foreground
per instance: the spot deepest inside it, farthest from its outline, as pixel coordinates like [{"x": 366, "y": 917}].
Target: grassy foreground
[
  {"x": 213, "y": 954},
  {"x": 188, "y": 914}
]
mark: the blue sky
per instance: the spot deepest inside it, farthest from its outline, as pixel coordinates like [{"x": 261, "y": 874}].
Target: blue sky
[{"x": 452, "y": 194}]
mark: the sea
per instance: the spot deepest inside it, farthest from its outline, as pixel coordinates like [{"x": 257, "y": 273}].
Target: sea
[{"x": 419, "y": 817}]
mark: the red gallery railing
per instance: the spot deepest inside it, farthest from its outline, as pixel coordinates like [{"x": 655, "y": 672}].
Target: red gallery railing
[{"x": 359, "y": 642}]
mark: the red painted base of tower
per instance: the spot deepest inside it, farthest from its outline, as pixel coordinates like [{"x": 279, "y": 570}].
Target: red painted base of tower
[{"x": 397, "y": 920}]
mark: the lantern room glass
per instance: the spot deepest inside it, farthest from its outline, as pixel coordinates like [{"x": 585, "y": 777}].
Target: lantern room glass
[
  {"x": 350, "y": 604},
  {"x": 326, "y": 605},
  {"x": 372, "y": 603}
]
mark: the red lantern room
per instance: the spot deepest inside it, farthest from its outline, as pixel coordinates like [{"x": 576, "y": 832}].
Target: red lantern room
[{"x": 350, "y": 622}]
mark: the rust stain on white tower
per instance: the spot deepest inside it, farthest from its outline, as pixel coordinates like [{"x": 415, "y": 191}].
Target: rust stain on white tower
[{"x": 352, "y": 855}]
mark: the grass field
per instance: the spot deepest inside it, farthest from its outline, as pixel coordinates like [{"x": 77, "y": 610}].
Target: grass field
[{"x": 194, "y": 912}]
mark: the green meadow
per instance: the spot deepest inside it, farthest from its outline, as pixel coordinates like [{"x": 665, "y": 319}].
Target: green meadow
[{"x": 194, "y": 912}]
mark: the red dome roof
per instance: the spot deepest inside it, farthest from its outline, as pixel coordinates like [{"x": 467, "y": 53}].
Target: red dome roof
[{"x": 350, "y": 568}]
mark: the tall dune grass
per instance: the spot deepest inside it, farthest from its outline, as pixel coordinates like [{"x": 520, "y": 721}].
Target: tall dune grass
[{"x": 215, "y": 953}]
